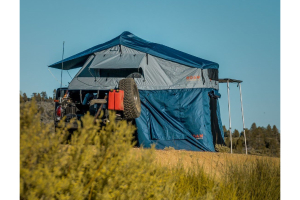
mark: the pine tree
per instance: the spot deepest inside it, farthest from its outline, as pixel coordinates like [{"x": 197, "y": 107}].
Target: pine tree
[
  {"x": 253, "y": 127},
  {"x": 44, "y": 96},
  {"x": 239, "y": 145},
  {"x": 247, "y": 131},
  {"x": 25, "y": 97},
  {"x": 227, "y": 141},
  {"x": 236, "y": 133},
  {"x": 224, "y": 128},
  {"x": 260, "y": 142},
  {"x": 226, "y": 133},
  {"x": 21, "y": 99},
  {"x": 38, "y": 97},
  {"x": 276, "y": 136},
  {"x": 269, "y": 130},
  {"x": 275, "y": 130},
  {"x": 253, "y": 136}
]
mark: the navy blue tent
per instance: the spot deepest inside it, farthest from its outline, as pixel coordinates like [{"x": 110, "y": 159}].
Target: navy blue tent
[{"x": 178, "y": 91}]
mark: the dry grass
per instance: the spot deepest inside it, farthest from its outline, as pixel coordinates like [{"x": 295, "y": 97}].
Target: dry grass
[{"x": 213, "y": 163}]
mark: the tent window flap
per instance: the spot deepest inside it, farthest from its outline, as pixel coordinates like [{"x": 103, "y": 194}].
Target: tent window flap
[{"x": 117, "y": 61}]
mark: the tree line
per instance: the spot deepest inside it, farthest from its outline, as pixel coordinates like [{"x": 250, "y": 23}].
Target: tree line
[
  {"x": 260, "y": 140},
  {"x": 38, "y": 97}
]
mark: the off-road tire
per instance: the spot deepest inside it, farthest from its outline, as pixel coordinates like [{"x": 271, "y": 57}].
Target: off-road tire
[{"x": 132, "y": 102}]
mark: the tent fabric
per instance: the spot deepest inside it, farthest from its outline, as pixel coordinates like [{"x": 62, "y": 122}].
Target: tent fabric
[
  {"x": 130, "y": 40},
  {"x": 178, "y": 92},
  {"x": 156, "y": 73},
  {"x": 215, "y": 129},
  {"x": 179, "y": 118},
  {"x": 83, "y": 72},
  {"x": 116, "y": 61}
]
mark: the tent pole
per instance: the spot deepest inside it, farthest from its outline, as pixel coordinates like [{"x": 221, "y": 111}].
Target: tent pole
[
  {"x": 229, "y": 115},
  {"x": 243, "y": 117},
  {"x": 62, "y": 64}
]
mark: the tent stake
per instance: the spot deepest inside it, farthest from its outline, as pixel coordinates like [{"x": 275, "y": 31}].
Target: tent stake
[
  {"x": 229, "y": 115},
  {"x": 243, "y": 117}
]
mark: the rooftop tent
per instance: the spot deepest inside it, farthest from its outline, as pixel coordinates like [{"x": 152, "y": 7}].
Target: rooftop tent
[
  {"x": 127, "y": 39},
  {"x": 178, "y": 91},
  {"x": 106, "y": 68}
]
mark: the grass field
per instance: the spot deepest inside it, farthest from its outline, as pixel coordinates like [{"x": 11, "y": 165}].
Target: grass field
[{"x": 213, "y": 163}]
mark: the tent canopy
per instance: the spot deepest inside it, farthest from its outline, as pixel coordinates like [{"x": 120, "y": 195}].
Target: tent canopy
[{"x": 130, "y": 40}]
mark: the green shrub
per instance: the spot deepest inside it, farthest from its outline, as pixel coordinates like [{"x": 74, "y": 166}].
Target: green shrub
[
  {"x": 222, "y": 148},
  {"x": 97, "y": 164}
]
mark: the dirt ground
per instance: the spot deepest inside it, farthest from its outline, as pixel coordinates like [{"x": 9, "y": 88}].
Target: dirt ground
[{"x": 212, "y": 162}]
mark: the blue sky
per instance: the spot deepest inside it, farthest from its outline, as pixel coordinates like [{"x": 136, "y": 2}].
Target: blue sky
[{"x": 242, "y": 36}]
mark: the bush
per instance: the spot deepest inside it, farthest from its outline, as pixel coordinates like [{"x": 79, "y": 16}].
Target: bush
[
  {"x": 222, "y": 148},
  {"x": 97, "y": 164}
]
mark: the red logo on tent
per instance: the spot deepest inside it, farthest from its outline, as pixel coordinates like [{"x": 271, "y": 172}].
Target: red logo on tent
[
  {"x": 198, "y": 136},
  {"x": 193, "y": 78}
]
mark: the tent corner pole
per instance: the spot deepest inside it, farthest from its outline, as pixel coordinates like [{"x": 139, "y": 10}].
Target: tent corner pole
[
  {"x": 62, "y": 64},
  {"x": 229, "y": 115},
  {"x": 243, "y": 117}
]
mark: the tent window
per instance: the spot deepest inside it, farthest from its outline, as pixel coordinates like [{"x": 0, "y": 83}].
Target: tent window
[
  {"x": 213, "y": 74},
  {"x": 86, "y": 72}
]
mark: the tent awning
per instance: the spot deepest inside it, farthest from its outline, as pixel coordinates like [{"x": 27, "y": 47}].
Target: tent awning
[{"x": 225, "y": 80}]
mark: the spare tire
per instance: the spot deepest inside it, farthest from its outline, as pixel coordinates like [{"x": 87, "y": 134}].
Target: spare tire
[{"x": 132, "y": 102}]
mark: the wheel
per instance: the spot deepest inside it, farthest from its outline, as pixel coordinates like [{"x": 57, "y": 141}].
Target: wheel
[{"x": 132, "y": 102}]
